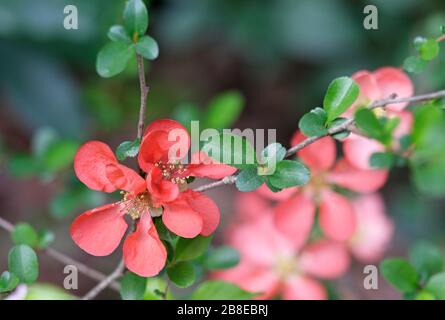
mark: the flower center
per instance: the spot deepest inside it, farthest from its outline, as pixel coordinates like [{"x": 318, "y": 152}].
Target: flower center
[
  {"x": 173, "y": 171},
  {"x": 286, "y": 266},
  {"x": 379, "y": 112},
  {"x": 137, "y": 205}
]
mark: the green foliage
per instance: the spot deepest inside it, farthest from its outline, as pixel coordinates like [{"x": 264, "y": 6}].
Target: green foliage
[
  {"x": 132, "y": 286},
  {"x": 436, "y": 286},
  {"x": 118, "y": 33},
  {"x": 148, "y": 48},
  {"x": 46, "y": 291},
  {"x": 189, "y": 249},
  {"x": 8, "y": 281},
  {"x": 414, "y": 64},
  {"x": 289, "y": 173},
  {"x": 273, "y": 152},
  {"x": 248, "y": 179},
  {"x": 24, "y": 233},
  {"x": 68, "y": 201},
  {"x": 156, "y": 288},
  {"x": 182, "y": 274},
  {"x": 223, "y": 110},
  {"x": 313, "y": 123},
  {"x": 46, "y": 237},
  {"x": 380, "y": 129},
  {"x": 427, "y": 259},
  {"x": 22, "y": 261},
  {"x": 113, "y": 58},
  {"x": 382, "y": 160},
  {"x": 128, "y": 149},
  {"x": 400, "y": 274},
  {"x": 429, "y": 49},
  {"x": 223, "y": 257},
  {"x": 220, "y": 290},
  {"x": 135, "y": 17},
  {"x": 341, "y": 94}
]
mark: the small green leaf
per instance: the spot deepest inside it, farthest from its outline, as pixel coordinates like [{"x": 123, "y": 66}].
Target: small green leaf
[
  {"x": 148, "y": 48},
  {"x": 23, "y": 165},
  {"x": 400, "y": 274},
  {"x": 313, "y": 123},
  {"x": 60, "y": 155},
  {"x": 22, "y": 261},
  {"x": 224, "y": 110},
  {"x": 113, "y": 58},
  {"x": 429, "y": 49},
  {"x": 426, "y": 258},
  {"x": 248, "y": 179},
  {"x": 424, "y": 295},
  {"x": 382, "y": 160},
  {"x": 337, "y": 122},
  {"x": 368, "y": 122},
  {"x": 220, "y": 290},
  {"x": 418, "y": 42},
  {"x": 118, "y": 33},
  {"x": 414, "y": 64},
  {"x": 128, "y": 149},
  {"x": 46, "y": 237},
  {"x": 273, "y": 151},
  {"x": 189, "y": 249},
  {"x": 182, "y": 274},
  {"x": 24, "y": 233},
  {"x": 163, "y": 231},
  {"x": 341, "y": 94},
  {"x": 8, "y": 282},
  {"x": 221, "y": 258},
  {"x": 289, "y": 173},
  {"x": 132, "y": 286},
  {"x": 135, "y": 17},
  {"x": 436, "y": 285},
  {"x": 155, "y": 289}
]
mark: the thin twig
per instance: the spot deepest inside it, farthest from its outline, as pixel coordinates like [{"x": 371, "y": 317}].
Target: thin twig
[
  {"x": 345, "y": 126},
  {"x": 106, "y": 282},
  {"x": 64, "y": 259}
]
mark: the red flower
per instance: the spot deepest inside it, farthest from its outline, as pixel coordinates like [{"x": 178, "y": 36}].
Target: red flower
[{"x": 188, "y": 213}]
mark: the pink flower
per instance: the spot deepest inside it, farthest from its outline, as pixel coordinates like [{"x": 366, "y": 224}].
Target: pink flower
[
  {"x": 376, "y": 85},
  {"x": 336, "y": 213},
  {"x": 273, "y": 263},
  {"x": 374, "y": 228}
]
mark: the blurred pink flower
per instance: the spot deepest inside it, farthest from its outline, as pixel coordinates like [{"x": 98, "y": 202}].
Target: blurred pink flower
[
  {"x": 274, "y": 264},
  {"x": 376, "y": 85},
  {"x": 336, "y": 214},
  {"x": 374, "y": 228}
]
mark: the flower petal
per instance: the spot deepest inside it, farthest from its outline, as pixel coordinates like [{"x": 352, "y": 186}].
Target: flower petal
[
  {"x": 160, "y": 189},
  {"x": 303, "y": 288},
  {"x": 294, "y": 218},
  {"x": 251, "y": 205},
  {"x": 100, "y": 230},
  {"x": 325, "y": 259},
  {"x": 337, "y": 217},
  {"x": 125, "y": 178},
  {"x": 181, "y": 219},
  {"x": 90, "y": 164},
  {"x": 374, "y": 228},
  {"x": 358, "y": 180},
  {"x": 144, "y": 253},
  {"x": 393, "y": 80},
  {"x": 278, "y": 196},
  {"x": 319, "y": 155},
  {"x": 164, "y": 140},
  {"x": 358, "y": 150},
  {"x": 206, "y": 208},
  {"x": 204, "y": 166}
]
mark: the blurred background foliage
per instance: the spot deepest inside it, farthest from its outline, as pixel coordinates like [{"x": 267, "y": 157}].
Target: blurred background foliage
[{"x": 265, "y": 63}]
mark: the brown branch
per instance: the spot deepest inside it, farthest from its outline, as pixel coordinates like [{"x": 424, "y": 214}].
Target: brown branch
[
  {"x": 345, "y": 126},
  {"x": 66, "y": 260},
  {"x": 106, "y": 282}
]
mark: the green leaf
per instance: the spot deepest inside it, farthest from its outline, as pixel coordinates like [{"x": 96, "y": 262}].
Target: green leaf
[
  {"x": 313, "y": 123},
  {"x": 155, "y": 289},
  {"x": 47, "y": 291},
  {"x": 382, "y": 160},
  {"x": 426, "y": 258},
  {"x": 24, "y": 233},
  {"x": 289, "y": 173},
  {"x": 414, "y": 64},
  {"x": 368, "y": 122},
  {"x": 118, "y": 33},
  {"x": 23, "y": 165},
  {"x": 429, "y": 49},
  {"x": 46, "y": 237},
  {"x": 400, "y": 274},
  {"x": 182, "y": 274},
  {"x": 220, "y": 290},
  {"x": 135, "y": 17},
  {"x": 337, "y": 122},
  {"x": 273, "y": 151},
  {"x": 60, "y": 155},
  {"x": 132, "y": 286},
  {"x": 224, "y": 110},
  {"x": 418, "y": 42},
  {"x": 8, "y": 282},
  {"x": 248, "y": 179},
  {"x": 22, "y": 261},
  {"x": 128, "y": 149},
  {"x": 113, "y": 58},
  {"x": 189, "y": 249},
  {"x": 231, "y": 149},
  {"x": 436, "y": 285},
  {"x": 221, "y": 258},
  {"x": 341, "y": 94},
  {"x": 163, "y": 231},
  {"x": 424, "y": 295},
  {"x": 429, "y": 178},
  {"x": 148, "y": 48}
]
